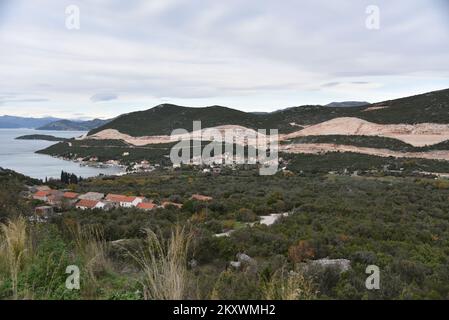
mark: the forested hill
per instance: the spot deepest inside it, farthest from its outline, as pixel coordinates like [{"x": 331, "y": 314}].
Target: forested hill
[
  {"x": 71, "y": 125},
  {"x": 430, "y": 107}
]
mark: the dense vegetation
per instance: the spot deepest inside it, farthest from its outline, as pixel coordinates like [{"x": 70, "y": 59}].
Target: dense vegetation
[
  {"x": 109, "y": 150},
  {"x": 307, "y": 163},
  {"x": 350, "y": 162},
  {"x": 398, "y": 224},
  {"x": 369, "y": 142}
]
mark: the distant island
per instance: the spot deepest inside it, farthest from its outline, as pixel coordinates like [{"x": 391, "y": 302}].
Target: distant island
[
  {"x": 44, "y": 137},
  {"x": 71, "y": 125},
  {"x": 50, "y": 123}
]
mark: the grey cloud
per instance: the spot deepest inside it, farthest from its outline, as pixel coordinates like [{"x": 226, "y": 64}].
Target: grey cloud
[
  {"x": 187, "y": 49},
  {"x": 330, "y": 84},
  {"x": 99, "y": 97}
]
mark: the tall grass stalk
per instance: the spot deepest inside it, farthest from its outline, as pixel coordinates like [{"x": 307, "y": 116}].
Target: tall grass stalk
[
  {"x": 164, "y": 265},
  {"x": 284, "y": 285},
  {"x": 92, "y": 249},
  {"x": 15, "y": 249}
]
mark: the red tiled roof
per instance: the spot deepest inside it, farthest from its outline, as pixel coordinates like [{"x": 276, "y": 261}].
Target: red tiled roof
[
  {"x": 70, "y": 195},
  {"x": 41, "y": 193},
  {"x": 146, "y": 205},
  {"x": 119, "y": 198},
  {"x": 87, "y": 203}
]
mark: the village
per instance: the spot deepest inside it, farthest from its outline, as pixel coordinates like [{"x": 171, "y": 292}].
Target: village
[{"x": 60, "y": 200}]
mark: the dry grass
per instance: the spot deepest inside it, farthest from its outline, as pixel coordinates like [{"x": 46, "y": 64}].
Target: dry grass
[
  {"x": 92, "y": 249},
  {"x": 15, "y": 249},
  {"x": 291, "y": 285},
  {"x": 164, "y": 265}
]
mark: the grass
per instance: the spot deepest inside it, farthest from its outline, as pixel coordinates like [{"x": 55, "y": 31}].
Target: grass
[
  {"x": 15, "y": 249},
  {"x": 291, "y": 285},
  {"x": 92, "y": 250},
  {"x": 164, "y": 265}
]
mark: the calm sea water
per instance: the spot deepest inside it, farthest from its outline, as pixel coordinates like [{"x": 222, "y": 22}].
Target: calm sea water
[{"x": 19, "y": 156}]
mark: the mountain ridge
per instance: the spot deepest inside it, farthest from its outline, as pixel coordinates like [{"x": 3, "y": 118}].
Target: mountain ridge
[
  {"x": 16, "y": 122},
  {"x": 72, "y": 125},
  {"x": 432, "y": 107}
]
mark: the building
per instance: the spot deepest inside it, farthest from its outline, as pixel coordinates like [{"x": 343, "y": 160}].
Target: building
[
  {"x": 69, "y": 199},
  {"x": 41, "y": 195},
  {"x": 70, "y": 195},
  {"x": 43, "y": 211},
  {"x": 55, "y": 198},
  {"x": 85, "y": 204},
  {"x": 147, "y": 206},
  {"x": 200, "y": 197},
  {"x": 91, "y": 196},
  {"x": 43, "y": 188},
  {"x": 124, "y": 201}
]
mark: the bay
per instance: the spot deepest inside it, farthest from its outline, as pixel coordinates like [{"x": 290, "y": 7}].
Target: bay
[{"x": 20, "y": 156}]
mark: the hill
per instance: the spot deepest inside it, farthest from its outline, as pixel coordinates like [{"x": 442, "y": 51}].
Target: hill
[
  {"x": 70, "y": 125},
  {"x": 431, "y": 107},
  {"x": 23, "y": 122},
  {"x": 162, "y": 119}
]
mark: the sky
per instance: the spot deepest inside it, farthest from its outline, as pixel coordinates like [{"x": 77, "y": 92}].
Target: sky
[{"x": 252, "y": 55}]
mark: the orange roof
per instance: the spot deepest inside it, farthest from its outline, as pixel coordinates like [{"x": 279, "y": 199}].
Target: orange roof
[
  {"x": 146, "y": 205},
  {"x": 70, "y": 195},
  {"x": 42, "y": 193},
  {"x": 87, "y": 203},
  {"x": 200, "y": 197},
  {"x": 119, "y": 198}
]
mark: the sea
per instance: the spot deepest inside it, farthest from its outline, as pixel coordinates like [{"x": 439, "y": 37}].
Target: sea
[{"x": 20, "y": 156}]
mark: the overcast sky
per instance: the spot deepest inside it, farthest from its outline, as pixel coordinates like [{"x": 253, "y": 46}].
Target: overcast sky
[{"x": 253, "y": 55}]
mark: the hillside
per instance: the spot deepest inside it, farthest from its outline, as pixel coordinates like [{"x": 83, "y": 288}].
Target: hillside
[
  {"x": 70, "y": 125},
  {"x": 162, "y": 119},
  {"x": 431, "y": 107}
]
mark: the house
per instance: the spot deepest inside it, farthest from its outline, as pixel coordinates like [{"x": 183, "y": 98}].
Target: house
[
  {"x": 86, "y": 204},
  {"x": 200, "y": 197},
  {"x": 43, "y": 211},
  {"x": 69, "y": 199},
  {"x": 147, "y": 206},
  {"x": 55, "y": 198},
  {"x": 129, "y": 202},
  {"x": 41, "y": 195},
  {"x": 91, "y": 196},
  {"x": 43, "y": 188},
  {"x": 166, "y": 204},
  {"x": 124, "y": 201},
  {"x": 70, "y": 195}
]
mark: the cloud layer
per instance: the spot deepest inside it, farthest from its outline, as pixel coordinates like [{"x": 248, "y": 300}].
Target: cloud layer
[{"x": 254, "y": 54}]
